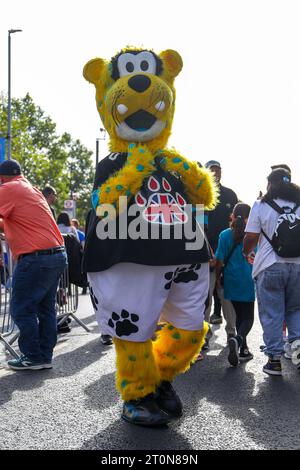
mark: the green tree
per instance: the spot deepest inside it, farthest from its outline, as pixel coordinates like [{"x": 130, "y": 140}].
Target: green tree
[{"x": 46, "y": 157}]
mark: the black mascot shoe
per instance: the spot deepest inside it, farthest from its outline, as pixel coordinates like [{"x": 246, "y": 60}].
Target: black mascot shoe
[
  {"x": 168, "y": 400},
  {"x": 144, "y": 412}
]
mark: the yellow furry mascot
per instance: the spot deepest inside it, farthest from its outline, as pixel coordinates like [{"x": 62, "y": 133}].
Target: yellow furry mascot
[{"x": 140, "y": 265}]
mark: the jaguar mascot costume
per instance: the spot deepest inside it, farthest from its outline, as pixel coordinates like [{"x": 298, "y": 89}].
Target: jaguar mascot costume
[{"x": 138, "y": 281}]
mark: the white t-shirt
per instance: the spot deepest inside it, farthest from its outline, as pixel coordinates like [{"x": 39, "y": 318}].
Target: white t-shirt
[
  {"x": 64, "y": 230},
  {"x": 263, "y": 217}
]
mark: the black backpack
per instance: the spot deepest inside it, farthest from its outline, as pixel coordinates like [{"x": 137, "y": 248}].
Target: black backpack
[
  {"x": 74, "y": 253},
  {"x": 286, "y": 238}
]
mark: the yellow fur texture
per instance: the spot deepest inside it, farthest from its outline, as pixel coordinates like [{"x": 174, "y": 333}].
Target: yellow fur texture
[
  {"x": 175, "y": 349},
  {"x": 198, "y": 182},
  {"x": 137, "y": 373},
  {"x": 129, "y": 179}
]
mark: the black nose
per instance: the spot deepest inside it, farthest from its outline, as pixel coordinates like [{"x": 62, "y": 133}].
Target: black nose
[{"x": 139, "y": 83}]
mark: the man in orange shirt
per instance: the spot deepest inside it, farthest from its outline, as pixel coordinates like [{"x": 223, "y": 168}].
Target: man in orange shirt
[{"x": 38, "y": 248}]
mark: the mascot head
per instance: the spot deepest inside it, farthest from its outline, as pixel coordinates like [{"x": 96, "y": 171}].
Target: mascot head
[{"x": 135, "y": 96}]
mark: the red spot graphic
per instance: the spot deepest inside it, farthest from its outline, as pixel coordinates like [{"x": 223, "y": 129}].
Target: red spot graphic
[
  {"x": 180, "y": 200},
  {"x": 153, "y": 184},
  {"x": 140, "y": 200},
  {"x": 166, "y": 185}
]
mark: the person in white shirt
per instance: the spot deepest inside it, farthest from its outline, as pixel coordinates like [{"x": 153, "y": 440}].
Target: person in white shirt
[
  {"x": 65, "y": 225},
  {"x": 277, "y": 277}
]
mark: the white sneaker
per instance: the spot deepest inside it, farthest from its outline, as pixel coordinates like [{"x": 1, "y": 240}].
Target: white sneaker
[{"x": 47, "y": 365}]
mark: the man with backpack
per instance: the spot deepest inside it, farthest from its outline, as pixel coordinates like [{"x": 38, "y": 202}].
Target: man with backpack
[{"x": 274, "y": 223}]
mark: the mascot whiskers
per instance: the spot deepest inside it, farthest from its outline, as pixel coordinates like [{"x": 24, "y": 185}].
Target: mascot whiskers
[{"x": 137, "y": 281}]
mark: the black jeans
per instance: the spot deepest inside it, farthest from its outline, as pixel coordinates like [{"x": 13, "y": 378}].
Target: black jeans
[
  {"x": 217, "y": 304},
  {"x": 244, "y": 319}
]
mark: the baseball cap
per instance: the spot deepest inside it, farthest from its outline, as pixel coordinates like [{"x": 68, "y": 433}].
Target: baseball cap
[
  {"x": 281, "y": 165},
  {"x": 279, "y": 175},
  {"x": 10, "y": 168},
  {"x": 212, "y": 163}
]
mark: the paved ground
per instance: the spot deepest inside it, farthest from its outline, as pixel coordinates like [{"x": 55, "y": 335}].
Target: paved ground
[{"x": 75, "y": 405}]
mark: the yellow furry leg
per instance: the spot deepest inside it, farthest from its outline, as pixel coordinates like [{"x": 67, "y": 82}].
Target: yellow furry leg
[
  {"x": 137, "y": 373},
  {"x": 175, "y": 349}
]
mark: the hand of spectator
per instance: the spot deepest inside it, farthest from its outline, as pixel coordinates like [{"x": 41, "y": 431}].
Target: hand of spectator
[
  {"x": 219, "y": 283},
  {"x": 250, "y": 257}
]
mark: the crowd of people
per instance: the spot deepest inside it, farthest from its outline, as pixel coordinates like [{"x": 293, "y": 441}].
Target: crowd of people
[{"x": 255, "y": 252}]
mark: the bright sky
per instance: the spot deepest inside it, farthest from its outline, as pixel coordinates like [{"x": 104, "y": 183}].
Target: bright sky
[{"x": 238, "y": 95}]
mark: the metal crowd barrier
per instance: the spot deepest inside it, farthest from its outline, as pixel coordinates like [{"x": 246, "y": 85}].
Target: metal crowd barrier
[
  {"x": 66, "y": 301},
  {"x": 7, "y": 326}
]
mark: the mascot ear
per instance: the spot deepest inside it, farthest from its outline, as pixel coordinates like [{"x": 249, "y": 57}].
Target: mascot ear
[
  {"x": 172, "y": 62},
  {"x": 93, "y": 70}
]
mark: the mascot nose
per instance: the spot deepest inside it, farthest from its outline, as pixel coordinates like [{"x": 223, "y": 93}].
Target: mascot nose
[{"x": 139, "y": 83}]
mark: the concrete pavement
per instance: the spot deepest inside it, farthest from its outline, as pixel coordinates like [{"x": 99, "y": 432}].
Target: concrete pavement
[{"x": 75, "y": 405}]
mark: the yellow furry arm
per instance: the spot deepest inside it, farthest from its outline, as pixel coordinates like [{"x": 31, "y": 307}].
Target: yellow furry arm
[
  {"x": 199, "y": 182},
  {"x": 129, "y": 179}
]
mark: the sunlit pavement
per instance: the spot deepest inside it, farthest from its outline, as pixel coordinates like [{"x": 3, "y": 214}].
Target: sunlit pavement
[{"x": 75, "y": 405}]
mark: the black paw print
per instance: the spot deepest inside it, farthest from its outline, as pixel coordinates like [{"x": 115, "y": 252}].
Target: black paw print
[
  {"x": 124, "y": 325},
  {"x": 182, "y": 275},
  {"x": 94, "y": 299}
]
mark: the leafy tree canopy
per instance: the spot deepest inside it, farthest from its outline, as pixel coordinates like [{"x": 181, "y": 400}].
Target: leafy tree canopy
[{"x": 49, "y": 158}]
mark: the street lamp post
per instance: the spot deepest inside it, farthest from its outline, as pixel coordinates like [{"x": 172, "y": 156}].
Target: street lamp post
[{"x": 11, "y": 31}]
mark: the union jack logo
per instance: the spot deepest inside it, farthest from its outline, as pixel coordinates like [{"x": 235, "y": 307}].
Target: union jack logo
[{"x": 162, "y": 208}]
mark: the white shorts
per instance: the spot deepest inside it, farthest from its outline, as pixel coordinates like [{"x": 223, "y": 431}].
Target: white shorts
[{"x": 129, "y": 299}]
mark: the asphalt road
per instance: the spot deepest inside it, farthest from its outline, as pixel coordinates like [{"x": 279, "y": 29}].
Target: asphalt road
[{"x": 75, "y": 405}]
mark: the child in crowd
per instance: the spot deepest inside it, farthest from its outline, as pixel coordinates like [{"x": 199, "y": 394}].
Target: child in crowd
[{"x": 236, "y": 271}]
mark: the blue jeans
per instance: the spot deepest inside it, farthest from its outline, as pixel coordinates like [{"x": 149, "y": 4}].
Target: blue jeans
[
  {"x": 278, "y": 297},
  {"x": 34, "y": 283}
]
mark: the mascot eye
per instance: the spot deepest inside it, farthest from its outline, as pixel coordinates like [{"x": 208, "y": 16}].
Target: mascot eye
[
  {"x": 129, "y": 67},
  {"x": 144, "y": 65},
  {"x": 134, "y": 63}
]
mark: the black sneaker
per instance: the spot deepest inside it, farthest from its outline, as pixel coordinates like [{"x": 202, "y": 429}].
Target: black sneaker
[
  {"x": 144, "y": 412},
  {"x": 168, "y": 400},
  {"x": 215, "y": 319},
  {"x": 273, "y": 367},
  {"x": 233, "y": 356},
  {"x": 229, "y": 336},
  {"x": 106, "y": 340},
  {"x": 206, "y": 345},
  {"x": 63, "y": 329},
  {"x": 245, "y": 355}
]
